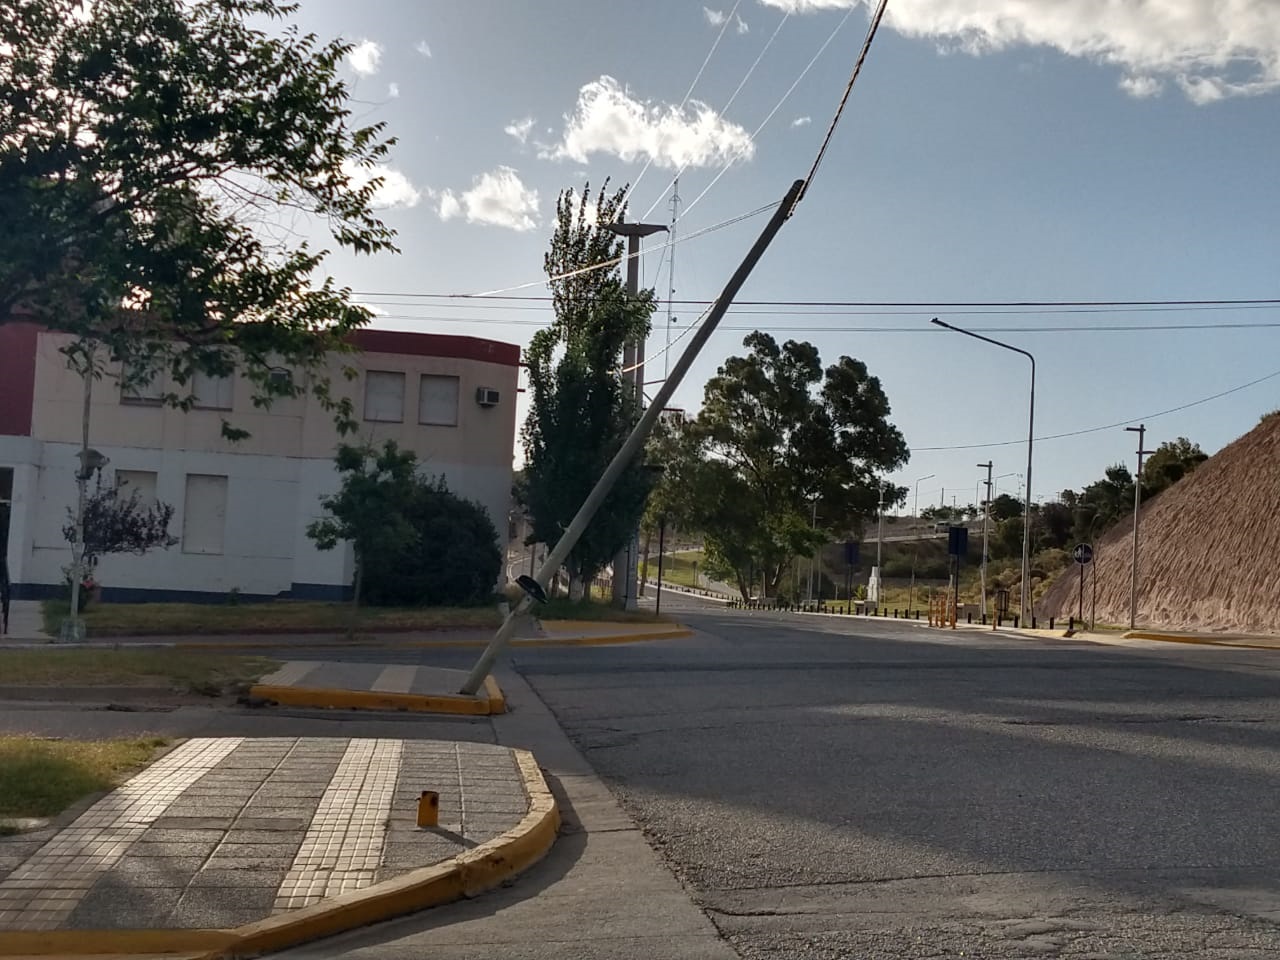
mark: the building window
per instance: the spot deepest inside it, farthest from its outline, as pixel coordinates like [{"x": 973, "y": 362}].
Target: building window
[
  {"x": 142, "y": 482},
  {"x": 211, "y": 393},
  {"x": 384, "y": 396},
  {"x": 438, "y": 400},
  {"x": 204, "y": 514},
  {"x": 140, "y": 385}
]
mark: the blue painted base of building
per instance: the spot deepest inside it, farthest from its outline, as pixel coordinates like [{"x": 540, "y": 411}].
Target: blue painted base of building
[{"x": 298, "y": 591}]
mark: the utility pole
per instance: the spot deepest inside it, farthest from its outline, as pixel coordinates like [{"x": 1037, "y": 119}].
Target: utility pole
[
  {"x": 880, "y": 525},
  {"x": 626, "y": 563},
  {"x": 911, "y": 591},
  {"x": 986, "y": 520},
  {"x": 535, "y": 588},
  {"x": 812, "y": 526},
  {"x": 1141, "y": 431}
]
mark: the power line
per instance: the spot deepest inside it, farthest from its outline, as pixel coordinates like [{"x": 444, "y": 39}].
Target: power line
[
  {"x": 923, "y": 304},
  {"x": 604, "y": 264},
  {"x": 688, "y": 93},
  {"x": 857, "y": 69},
  {"x": 1108, "y": 426},
  {"x": 727, "y": 104},
  {"x": 776, "y": 107}
]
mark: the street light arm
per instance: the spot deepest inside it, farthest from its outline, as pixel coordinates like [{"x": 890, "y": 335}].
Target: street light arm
[{"x": 996, "y": 343}]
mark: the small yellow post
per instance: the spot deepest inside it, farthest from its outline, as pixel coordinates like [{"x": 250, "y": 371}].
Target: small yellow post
[{"x": 428, "y": 809}]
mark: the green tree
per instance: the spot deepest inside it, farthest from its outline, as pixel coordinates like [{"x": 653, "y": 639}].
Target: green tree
[
  {"x": 368, "y": 509},
  {"x": 118, "y": 521},
  {"x": 1171, "y": 461},
  {"x": 414, "y": 542},
  {"x": 152, "y": 154},
  {"x": 1103, "y": 502},
  {"x": 581, "y": 410},
  {"x": 1006, "y": 507},
  {"x": 776, "y": 436}
]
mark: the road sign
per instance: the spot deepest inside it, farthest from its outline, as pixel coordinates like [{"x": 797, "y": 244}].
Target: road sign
[
  {"x": 958, "y": 541},
  {"x": 851, "y": 553},
  {"x": 1082, "y": 554}
]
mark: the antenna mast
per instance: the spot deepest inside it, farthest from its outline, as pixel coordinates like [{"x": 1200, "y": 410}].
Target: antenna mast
[{"x": 671, "y": 273}]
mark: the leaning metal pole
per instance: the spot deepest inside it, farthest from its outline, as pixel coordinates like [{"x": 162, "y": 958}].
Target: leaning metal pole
[{"x": 631, "y": 447}]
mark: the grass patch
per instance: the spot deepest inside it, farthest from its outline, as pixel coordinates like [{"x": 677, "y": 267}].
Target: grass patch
[
  {"x": 41, "y": 778},
  {"x": 191, "y": 671},
  {"x": 277, "y": 616},
  {"x": 678, "y": 568},
  {"x": 562, "y": 608}
]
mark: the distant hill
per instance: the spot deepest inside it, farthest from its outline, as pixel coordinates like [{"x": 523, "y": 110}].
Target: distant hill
[{"x": 1209, "y": 549}]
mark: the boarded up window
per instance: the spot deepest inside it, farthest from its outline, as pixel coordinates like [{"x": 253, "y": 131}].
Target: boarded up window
[
  {"x": 204, "y": 515},
  {"x": 384, "y": 396},
  {"x": 211, "y": 393},
  {"x": 140, "y": 385},
  {"x": 438, "y": 400},
  {"x": 141, "y": 481}
]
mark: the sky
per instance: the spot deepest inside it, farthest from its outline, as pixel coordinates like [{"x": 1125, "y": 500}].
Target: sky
[{"x": 1008, "y": 151}]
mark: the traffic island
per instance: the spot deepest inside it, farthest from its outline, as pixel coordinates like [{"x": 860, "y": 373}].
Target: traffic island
[
  {"x": 232, "y": 847},
  {"x": 325, "y": 685}
]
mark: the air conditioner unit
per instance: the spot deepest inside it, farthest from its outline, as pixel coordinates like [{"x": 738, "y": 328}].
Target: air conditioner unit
[{"x": 487, "y": 396}]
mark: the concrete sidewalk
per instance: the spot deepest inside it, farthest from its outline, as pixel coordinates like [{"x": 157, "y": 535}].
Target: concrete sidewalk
[
  {"x": 300, "y": 836},
  {"x": 376, "y": 686},
  {"x": 26, "y": 622}
]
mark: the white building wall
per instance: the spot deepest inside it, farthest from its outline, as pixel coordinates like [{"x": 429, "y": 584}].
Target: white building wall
[{"x": 22, "y": 454}]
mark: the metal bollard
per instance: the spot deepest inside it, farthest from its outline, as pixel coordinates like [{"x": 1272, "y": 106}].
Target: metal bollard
[
  {"x": 968, "y": 617},
  {"x": 984, "y": 620},
  {"x": 1015, "y": 621},
  {"x": 428, "y": 809}
]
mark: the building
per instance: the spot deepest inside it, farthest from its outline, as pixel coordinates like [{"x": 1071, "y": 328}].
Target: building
[{"x": 242, "y": 508}]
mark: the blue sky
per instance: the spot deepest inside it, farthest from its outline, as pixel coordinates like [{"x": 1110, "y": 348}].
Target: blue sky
[{"x": 1006, "y": 151}]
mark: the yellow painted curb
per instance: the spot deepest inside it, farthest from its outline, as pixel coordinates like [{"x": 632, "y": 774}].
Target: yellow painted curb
[
  {"x": 47, "y": 943},
  {"x": 1202, "y": 641},
  {"x": 674, "y": 632},
  {"x": 470, "y": 873},
  {"x": 327, "y": 698}
]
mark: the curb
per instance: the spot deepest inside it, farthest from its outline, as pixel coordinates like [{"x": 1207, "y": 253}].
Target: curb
[
  {"x": 1202, "y": 641},
  {"x": 670, "y": 633},
  {"x": 326, "y": 698},
  {"x": 466, "y": 875}
]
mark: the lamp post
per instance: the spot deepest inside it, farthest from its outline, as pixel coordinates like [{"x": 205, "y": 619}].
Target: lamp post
[
  {"x": 986, "y": 518},
  {"x": 627, "y": 561},
  {"x": 1031, "y": 428},
  {"x": 1141, "y": 431},
  {"x": 911, "y": 591}
]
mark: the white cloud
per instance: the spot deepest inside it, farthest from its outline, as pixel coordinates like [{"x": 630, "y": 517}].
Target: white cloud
[
  {"x": 608, "y": 119},
  {"x": 365, "y": 57},
  {"x": 393, "y": 90},
  {"x": 740, "y": 25},
  {"x": 395, "y": 190},
  {"x": 1211, "y": 49},
  {"x": 519, "y": 129},
  {"x": 715, "y": 17},
  {"x": 802, "y": 121},
  {"x": 498, "y": 198},
  {"x": 1141, "y": 87},
  {"x": 423, "y": 48}
]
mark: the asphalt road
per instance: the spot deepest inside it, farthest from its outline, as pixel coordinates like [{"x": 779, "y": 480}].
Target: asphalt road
[
  {"x": 846, "y": 788},
  {"x": 830, "y": 788}
]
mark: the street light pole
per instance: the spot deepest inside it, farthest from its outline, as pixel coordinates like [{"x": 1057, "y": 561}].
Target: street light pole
[
  {"x": 911, "y": 591},
  {"x": 1031, "y": 432},
  {"x": 626, "y": 563},
  {"x": 1141, "y": 431},
  {"x": 812, "y": 526},
  {"x": 986, "y": 519}
]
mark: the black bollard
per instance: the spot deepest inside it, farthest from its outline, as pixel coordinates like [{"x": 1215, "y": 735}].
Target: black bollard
[{"x": 968, "y": 618}]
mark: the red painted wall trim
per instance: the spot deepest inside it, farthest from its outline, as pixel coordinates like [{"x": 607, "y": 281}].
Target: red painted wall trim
[
  {"x": 17, "y": 376},
  {"x": 437, "y": 345}
]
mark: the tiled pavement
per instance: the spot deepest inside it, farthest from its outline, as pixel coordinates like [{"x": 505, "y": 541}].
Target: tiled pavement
[{"x": 221, "y": 832}]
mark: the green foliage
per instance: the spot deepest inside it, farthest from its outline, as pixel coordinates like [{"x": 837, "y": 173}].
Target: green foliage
[
  {"x": 414, "y": 541},
  {"x": 149, "y": 151},
  {"x": 453, "y": 560},
  {"x": 1171, "y": 461},
  {"x": 1006, "y": 507},
  {"x": 777, "y": 433},
  {"x": 117, "y": 521},
  {"x": 581, "y": 410}
]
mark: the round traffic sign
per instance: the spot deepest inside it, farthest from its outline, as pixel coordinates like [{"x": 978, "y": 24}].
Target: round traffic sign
[{"x": 1082, "y": 554}]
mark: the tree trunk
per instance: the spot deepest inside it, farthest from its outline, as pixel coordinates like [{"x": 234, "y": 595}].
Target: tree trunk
[{"x": 576, "y": 588}]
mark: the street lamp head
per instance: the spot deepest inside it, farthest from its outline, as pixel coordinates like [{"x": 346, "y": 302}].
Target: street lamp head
[{"x": 635, "y": 229}]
